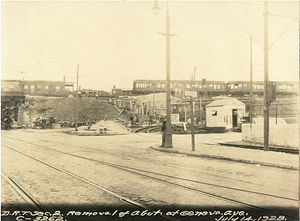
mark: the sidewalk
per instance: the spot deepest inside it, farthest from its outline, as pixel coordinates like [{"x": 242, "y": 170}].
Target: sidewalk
[{"x": 257, "y": 157}]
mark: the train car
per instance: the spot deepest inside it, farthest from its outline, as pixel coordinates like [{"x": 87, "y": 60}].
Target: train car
[
  {"x": 178, "y": 87},
  {"x": 287, "y": 88},
  {"x": 243, "y": 87},
  {"x": 11, "y": 88},
  {"x": 206, "y": 88},
  {"x": 141, "y": 87},
  {"x": 44, "y": 88}
]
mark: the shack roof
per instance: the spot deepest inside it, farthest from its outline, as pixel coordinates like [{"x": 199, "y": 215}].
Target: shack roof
[{"x": 226, "y": 102}]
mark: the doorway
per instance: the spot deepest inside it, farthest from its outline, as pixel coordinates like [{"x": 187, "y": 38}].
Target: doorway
[{"x": 234, "y": 117}]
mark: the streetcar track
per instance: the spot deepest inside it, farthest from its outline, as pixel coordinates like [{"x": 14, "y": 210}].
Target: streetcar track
[
  {"x": 126, "y": 167},
  {"x": 32, "y": 202},
  {"x": 150, "y": 177},
  {"x": 115, "y": 195}
]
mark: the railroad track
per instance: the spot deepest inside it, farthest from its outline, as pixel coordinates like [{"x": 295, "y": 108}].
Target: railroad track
[
  {"x": 36, "y": 206},
  {"x": 167, "y": 179}
]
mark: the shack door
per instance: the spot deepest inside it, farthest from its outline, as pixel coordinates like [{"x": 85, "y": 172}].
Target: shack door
[{"x": 234, "y": 117}]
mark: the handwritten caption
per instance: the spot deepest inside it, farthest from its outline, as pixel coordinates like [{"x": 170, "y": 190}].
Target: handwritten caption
[{"x": 228, "y": 215}]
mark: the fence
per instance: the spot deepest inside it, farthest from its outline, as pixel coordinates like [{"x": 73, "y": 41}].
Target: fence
[{"x": 278, "y": 111}]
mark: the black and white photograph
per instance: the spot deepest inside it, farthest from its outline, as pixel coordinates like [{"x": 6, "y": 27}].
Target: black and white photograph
[{"x": 149, "y": 110}]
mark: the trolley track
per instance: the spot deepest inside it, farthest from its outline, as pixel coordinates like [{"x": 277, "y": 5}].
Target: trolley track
[
  {"x": 148, "y": 161},
  {"x": 139, "y": 171},
  {"x": 161, "y": 178},
  {"x": 34, "y": 204}
]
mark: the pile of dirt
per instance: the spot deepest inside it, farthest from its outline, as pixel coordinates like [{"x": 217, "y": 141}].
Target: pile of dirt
[{"x": 66, "y": 109}]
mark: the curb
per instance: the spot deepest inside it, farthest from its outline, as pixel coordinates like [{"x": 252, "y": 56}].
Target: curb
[{"x": 226, "y": 158}]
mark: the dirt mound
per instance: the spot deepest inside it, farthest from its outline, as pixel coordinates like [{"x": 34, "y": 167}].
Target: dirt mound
[{"x": 66, "y": 109}]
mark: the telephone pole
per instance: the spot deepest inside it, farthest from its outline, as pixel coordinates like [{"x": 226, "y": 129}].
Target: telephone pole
[
  {"x": 251, "y": 89},
  {"x": 76, "y": 118},
  {"x": 266, "y": 76}
]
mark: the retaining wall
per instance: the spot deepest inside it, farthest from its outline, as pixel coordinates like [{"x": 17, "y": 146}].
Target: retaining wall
[{"x": 279, "y": 134}]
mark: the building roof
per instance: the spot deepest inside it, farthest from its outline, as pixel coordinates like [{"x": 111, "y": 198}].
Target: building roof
[{"x": 226, "y": 102}]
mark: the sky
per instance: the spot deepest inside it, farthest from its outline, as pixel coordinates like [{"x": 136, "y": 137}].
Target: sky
[{"x": 116, "y": 42}]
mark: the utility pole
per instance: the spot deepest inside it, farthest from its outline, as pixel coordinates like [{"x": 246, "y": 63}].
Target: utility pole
[
  {"x": 154, "y": 104},
  {"x": 194, "y": 74},
  {"x": 266, "y": 76},
  {"x": 192, "y": 123},
  {"x": 168, "y": 137},
  {"x": 251, "y": 89},
  {"x": 76, "y": 118},
  {"x": 200, "y": 106}
]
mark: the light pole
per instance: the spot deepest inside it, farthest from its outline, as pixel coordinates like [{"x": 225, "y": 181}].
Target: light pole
[{"x": 168, "y": 134}]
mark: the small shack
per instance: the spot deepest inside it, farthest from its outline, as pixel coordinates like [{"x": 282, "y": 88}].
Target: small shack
[{"x": 225, "y": 113}]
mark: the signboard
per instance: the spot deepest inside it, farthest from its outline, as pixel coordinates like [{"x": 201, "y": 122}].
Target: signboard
[
  {"x": 190, "y": 93},
  {"x": 174, "y": 118}
]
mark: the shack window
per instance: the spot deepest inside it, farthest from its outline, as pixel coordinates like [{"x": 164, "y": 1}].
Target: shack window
[{"x": 214, "y": 113}]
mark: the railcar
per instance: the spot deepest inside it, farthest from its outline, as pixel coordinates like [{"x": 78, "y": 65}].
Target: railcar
[
  {"x": 287, "y": 88},
  {"x": 243, "y": 87}
]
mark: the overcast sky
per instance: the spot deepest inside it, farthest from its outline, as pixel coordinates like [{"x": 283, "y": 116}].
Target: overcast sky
[{"x": 117, "y": 42}]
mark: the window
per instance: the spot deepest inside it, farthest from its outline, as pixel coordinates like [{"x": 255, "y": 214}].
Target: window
[
  {"x": 57, "y": 88},
  {"x": 240, "y": 86},
  {"x": 211, "y": 85},
  {"x": 196, "y": 85},
  {"x": 46, "y": 87},
  {"x": 232, "y": 86},
  {"x": 26, "y": 87},
  {"x": 200, "y": 86},
  {"x": 245, "y": 86},
  {"x": 214, "y": 113},
  {"x": 215, "y": 86},
  {"x": 236, "y": 86},
  {"x": 254, "y": 86},
  {"x": 11, "y": 87},
  {"x": 39, "y": 88},
  {"x": 188, "y": 86},
  {"x": 32, "y": 88}
]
